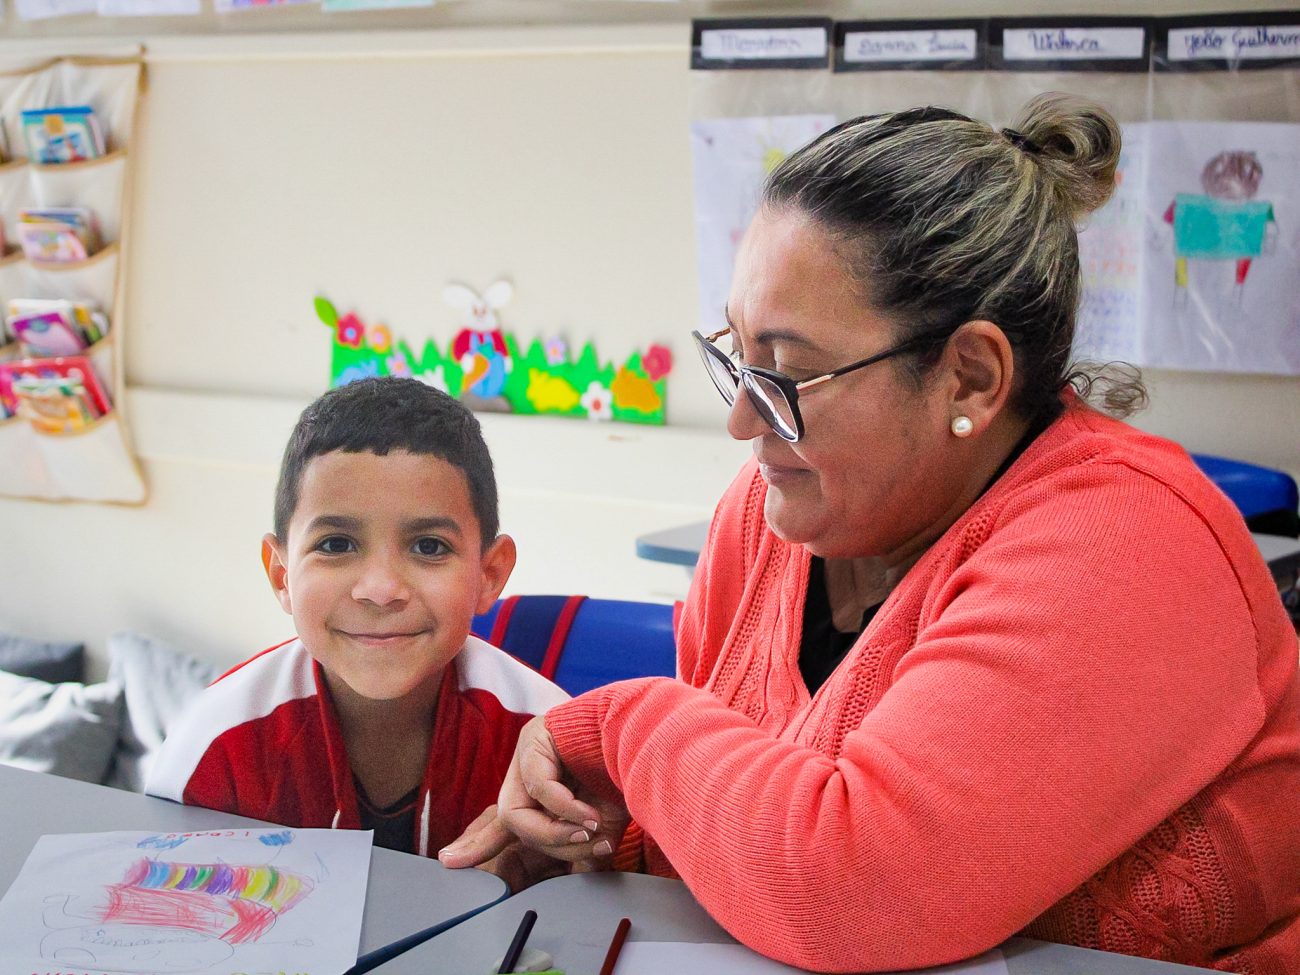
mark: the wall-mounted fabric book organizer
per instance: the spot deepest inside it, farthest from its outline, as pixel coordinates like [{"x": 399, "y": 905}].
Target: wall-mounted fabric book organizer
[{"x": 63, "y": 434}]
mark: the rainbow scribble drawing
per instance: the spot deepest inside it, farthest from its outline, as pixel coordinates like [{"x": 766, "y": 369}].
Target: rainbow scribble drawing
[
  {"x": 235, "y": 904},
  {"x": 213, "y": 902},
  {"x": 483, "y": 367},
  {"x": 197, "y": 912}
]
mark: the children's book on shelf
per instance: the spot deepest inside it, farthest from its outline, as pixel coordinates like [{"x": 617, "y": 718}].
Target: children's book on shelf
[
  {"x": 58, "y": 234},
  {"x": 54, "y": 326},
  {"x": 63, "y": 134},
  {"x": 60, "y": 395}
]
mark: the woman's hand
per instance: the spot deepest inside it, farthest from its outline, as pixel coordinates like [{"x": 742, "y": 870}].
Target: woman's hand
[
  {"x": 513, "y": 862},
  {"x": 538, "y": 807}
]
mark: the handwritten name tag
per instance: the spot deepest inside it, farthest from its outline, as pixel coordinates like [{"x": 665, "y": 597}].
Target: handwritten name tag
[
  {"x": 1234, "y": 43},
  {"x": 884, "y": 46},
  {"x": 1073, "y": 43},
  {"x": 763, "y": 44}
]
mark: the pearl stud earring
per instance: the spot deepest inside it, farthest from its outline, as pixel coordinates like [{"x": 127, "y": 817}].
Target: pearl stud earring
[{"x": 962, "y": 426}]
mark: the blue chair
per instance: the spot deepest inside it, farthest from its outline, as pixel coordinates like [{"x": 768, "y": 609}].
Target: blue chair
[
  {"x": 1267, "y": 498},
  {"x": 581, "y": 643}
]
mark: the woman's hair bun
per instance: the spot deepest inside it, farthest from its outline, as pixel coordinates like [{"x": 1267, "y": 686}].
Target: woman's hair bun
[{"x": 1077, "y": 144}]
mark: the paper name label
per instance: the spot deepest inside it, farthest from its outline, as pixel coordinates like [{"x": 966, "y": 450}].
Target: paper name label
[
  {"x": 763, "y": 44},
  {"x": 1233, "y": 43},
  {"x": 883, "y": 46},
  {"x": 1073, "y": 43}
]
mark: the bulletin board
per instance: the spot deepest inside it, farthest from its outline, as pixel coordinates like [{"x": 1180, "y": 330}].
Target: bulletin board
[{"x": 1191, "y": 265}]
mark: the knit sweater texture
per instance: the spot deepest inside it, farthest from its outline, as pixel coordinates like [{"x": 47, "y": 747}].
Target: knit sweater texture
[{"x": 1076, "y": 718}]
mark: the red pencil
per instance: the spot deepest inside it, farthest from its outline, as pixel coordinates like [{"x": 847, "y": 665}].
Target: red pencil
[{"x": 615, "y": 946}]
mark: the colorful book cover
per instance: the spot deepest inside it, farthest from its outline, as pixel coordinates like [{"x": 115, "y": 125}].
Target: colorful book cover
[
  {"x": 48, "y": 334},
  {"x": 58, "y": 234},
  {"x": 75, "y": 367},
  {"x": 84, "y": 317},
  {"x": 62, "y": 135},
  {"x": 54, "y": 404}
]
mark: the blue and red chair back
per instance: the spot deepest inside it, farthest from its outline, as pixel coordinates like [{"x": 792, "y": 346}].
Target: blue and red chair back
[{"x": 581, "y": 643}]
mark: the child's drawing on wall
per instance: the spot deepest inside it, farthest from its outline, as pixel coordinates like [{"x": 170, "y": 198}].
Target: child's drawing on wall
[
  {"x": 1225, "y": 222},
  {"x": 731, "y": 157}
]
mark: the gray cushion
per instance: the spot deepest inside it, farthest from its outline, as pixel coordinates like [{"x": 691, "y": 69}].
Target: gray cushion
[
  {"x": 68, "y": 729},
  {"x": 158, "y": 681},
  {"x": 55, "y": 663}
]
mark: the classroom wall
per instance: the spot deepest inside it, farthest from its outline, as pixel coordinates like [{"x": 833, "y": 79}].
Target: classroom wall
[{"x": 374, "y": 167}]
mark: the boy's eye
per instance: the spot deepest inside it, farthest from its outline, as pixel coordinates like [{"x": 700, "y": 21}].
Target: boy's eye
[
  {"x": 335, "y": 545},
  {"x": 431, "y": 547}
]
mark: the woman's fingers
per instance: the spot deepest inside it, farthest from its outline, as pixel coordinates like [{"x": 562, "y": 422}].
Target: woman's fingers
[
  {"x": 482, "y": 840},
  {"x": 536, "y": 780},
  {"x": 537, "y": 806}
]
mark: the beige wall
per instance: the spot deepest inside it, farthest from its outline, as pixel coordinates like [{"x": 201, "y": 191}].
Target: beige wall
[{"x": 374, "y": 168}]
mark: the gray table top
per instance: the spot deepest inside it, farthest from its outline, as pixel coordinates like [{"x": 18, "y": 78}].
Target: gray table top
[
  {"x": 577, "y": 916},
  {"x": 405, "y": 894}
]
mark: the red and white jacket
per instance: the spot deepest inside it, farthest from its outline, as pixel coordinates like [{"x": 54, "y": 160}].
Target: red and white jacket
[{"x": 264, "y": 741}]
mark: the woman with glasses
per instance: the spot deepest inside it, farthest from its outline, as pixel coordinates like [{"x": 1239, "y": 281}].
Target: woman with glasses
[{"x": 964, "y": 657}]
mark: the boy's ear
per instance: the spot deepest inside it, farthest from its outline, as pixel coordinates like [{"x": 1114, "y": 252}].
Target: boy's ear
[
  {"x": 497, "y": 564},
  {"x": 277, "y": 570}
]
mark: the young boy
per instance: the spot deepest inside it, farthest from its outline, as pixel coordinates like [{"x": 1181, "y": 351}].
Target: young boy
[{"x": 384, "y": 713}]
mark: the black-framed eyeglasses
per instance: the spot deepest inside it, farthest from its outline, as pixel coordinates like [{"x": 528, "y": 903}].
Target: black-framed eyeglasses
[{"x": 775, "y": 395}]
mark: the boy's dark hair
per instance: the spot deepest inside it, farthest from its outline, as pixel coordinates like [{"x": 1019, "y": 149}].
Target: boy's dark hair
[{"x": 388, "y": 413}]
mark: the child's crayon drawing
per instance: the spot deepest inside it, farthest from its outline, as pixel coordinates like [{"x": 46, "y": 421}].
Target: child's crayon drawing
[
  {"x": 217, "y": 902},
  {"x": 483, "y": 366}
]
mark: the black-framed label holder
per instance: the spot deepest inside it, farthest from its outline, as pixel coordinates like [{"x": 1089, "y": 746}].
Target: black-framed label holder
[
  {"x": 1228, "y": 42},
  {"x": 910, "y": 45},
  {"x": 766, "y": 43},
  {"x": 1120, "y": 44}
]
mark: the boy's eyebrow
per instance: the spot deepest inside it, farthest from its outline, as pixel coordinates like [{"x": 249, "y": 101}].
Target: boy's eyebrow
[
  {"x": 449, "y": 525},
  {"x": 334, "y": 521},
  {"x": 346, "y": 523}
]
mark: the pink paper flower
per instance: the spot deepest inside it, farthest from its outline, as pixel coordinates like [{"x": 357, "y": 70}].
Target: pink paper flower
[
  {"x": 657, "y": 361},
  {"x": 350, "y": 331}
]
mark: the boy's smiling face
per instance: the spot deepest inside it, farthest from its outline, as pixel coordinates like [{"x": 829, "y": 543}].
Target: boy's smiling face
[{"x": 383, "y": 569}]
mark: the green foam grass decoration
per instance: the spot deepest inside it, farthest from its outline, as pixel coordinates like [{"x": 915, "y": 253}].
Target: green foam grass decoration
[{"x": 487, "y": 370}]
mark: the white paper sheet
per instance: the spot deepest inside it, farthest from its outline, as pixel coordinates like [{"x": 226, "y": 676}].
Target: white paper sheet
[
  {"x": 1193, "y": 262},
  {"x": 341, "y": 6},
  {"x": 731, "y": 158},
  {"x": 657, "y": 957},
  {"x": 215, "y": 903},
  {"x": 236, "y": 6},
  {"x": 44, "y": 9},
  {"x": 1232, "y": 303},
  {"x": 148, "y": 8},
  {"x": 1111, "y": 253}
]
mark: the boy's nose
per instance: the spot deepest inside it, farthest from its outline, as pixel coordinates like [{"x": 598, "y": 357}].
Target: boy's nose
[{"x": 380, "y": 583}]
